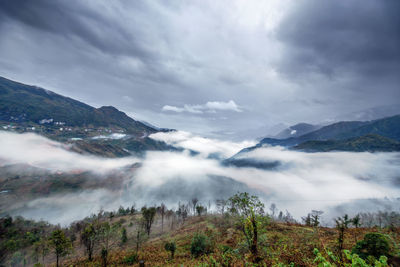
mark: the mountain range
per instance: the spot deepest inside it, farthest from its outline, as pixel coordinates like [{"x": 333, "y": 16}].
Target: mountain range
[
  {"x": 108, "y": 132},
  {"x": 30, "y": 104},
  {"x": 343, "y": 136},
  {"x": 297, "y": 130},
  {"x": 103, "y": 131},
  {"x": 369, "y": 142}
]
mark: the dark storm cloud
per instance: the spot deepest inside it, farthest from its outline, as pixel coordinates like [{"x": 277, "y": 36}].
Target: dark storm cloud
[
  {"x": 129, "y": 54},
  {"x": 334, "y": 36},
  {"x": 281, "y": 62},
  {"x": 73, "y": 19},
  {"x": 97, "y": 26}
]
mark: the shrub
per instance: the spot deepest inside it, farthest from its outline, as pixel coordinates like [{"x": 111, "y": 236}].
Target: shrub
[
  {"x": 227, "y": 255},
  {"x": 350, "y": 260},
  {"x": 171, "y": 247},
  {"x": 11, "y": 245},
  {"x": 200, "y": 210},
  {"x": 201, "y": 244},
  {"x": 7, "y": 221},
  {"x": 31, "y": 237},
  {"x": 121, "y": 221},
  {"x": 373, "y": 244},
  {"x": 131, "y": 258},
  {"x": 124, "y": 236},
  {"x": 17, "y": 259}
]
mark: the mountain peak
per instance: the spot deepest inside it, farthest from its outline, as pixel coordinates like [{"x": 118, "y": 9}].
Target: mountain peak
[
  {"x": 31, "y": 105},
  {"x": 109, "y": 108},
  {"x": 297, "y": 130}
]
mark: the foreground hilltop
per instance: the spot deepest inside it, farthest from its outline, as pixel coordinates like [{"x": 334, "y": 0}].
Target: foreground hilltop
[{"x": 241, "y": 235}]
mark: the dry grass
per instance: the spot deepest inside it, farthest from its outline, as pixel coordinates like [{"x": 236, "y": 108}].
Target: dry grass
[{"x": 279, "y": 243}]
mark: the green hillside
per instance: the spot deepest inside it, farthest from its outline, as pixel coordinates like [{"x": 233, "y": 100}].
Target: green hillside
[
  {"x": 326, "y": 136},
  {"x": 388, "y": 127},
  {"x": 370, "y": 142},
  {"x": 20, "y": 103}
]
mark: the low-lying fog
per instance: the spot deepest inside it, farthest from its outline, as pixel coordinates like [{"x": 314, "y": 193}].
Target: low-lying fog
[{"x": 335, "y": 182}]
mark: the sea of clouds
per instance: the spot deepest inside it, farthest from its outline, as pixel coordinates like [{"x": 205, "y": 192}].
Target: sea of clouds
[{"x": 335, "y": 182}]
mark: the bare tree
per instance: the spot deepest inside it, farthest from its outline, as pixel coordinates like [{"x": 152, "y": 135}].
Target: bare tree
[
  {"x": 200, "y": 210},
  {"x": 173, "y": 221},
  {"x": 170, "y": 216},
  {"x": 380, "y": 216},
  {"x": 273, "y": 209},
  {"x": 194, "y": 202},
  {"x": 342, "y": 223},
  {"x": 367, "y": 219},
  {"x": 88, "y": 239},
  {"x": 316, "y": 217},
  {"x": 162, "y": 210},
  {"x": 288, "y": 218},
  {"x": 356, "y": 221},
  {"x": 307, "y": 219},
  {"x": 41, "y": 247},
  {"x": 140, "y": 233},
  {"x": 148, "y": 216},
  {"x": 221, "y": 205},
  {"x": 182, "y": 212},
  {"x": 106, "y": 233}
]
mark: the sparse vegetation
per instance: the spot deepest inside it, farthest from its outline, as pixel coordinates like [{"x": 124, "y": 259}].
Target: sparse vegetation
[{"x": 238, "y": 233}]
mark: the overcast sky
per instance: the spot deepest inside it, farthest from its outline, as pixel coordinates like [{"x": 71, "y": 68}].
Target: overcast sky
[{"x": 216, "y": 68}]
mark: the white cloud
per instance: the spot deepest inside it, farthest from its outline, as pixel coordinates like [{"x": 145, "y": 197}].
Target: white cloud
[
  {"x": 172, "y": 108},
  {"x": 41, "y": 152},
  {"x": 216, "y": 105},
  {"x": 302, "y": 181},
  {"x": 114, "y": 136},
  {"x": 209, "y": 107},
  {"x": 205, "y": 146}
]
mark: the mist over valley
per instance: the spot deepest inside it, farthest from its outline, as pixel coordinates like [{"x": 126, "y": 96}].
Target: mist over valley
[{"x": 200, "y": 133}]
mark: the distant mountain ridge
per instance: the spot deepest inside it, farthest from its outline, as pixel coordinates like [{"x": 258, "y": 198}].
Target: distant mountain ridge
[
  {"x": 103, "y": 131},
  {"x": 387, "y": 128},
  {"x": 297, "y": 130},
  {"x": 369, "y": 142},
  {"x": 25, "y": 103},
  {"x": 324, "y": 133}
]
